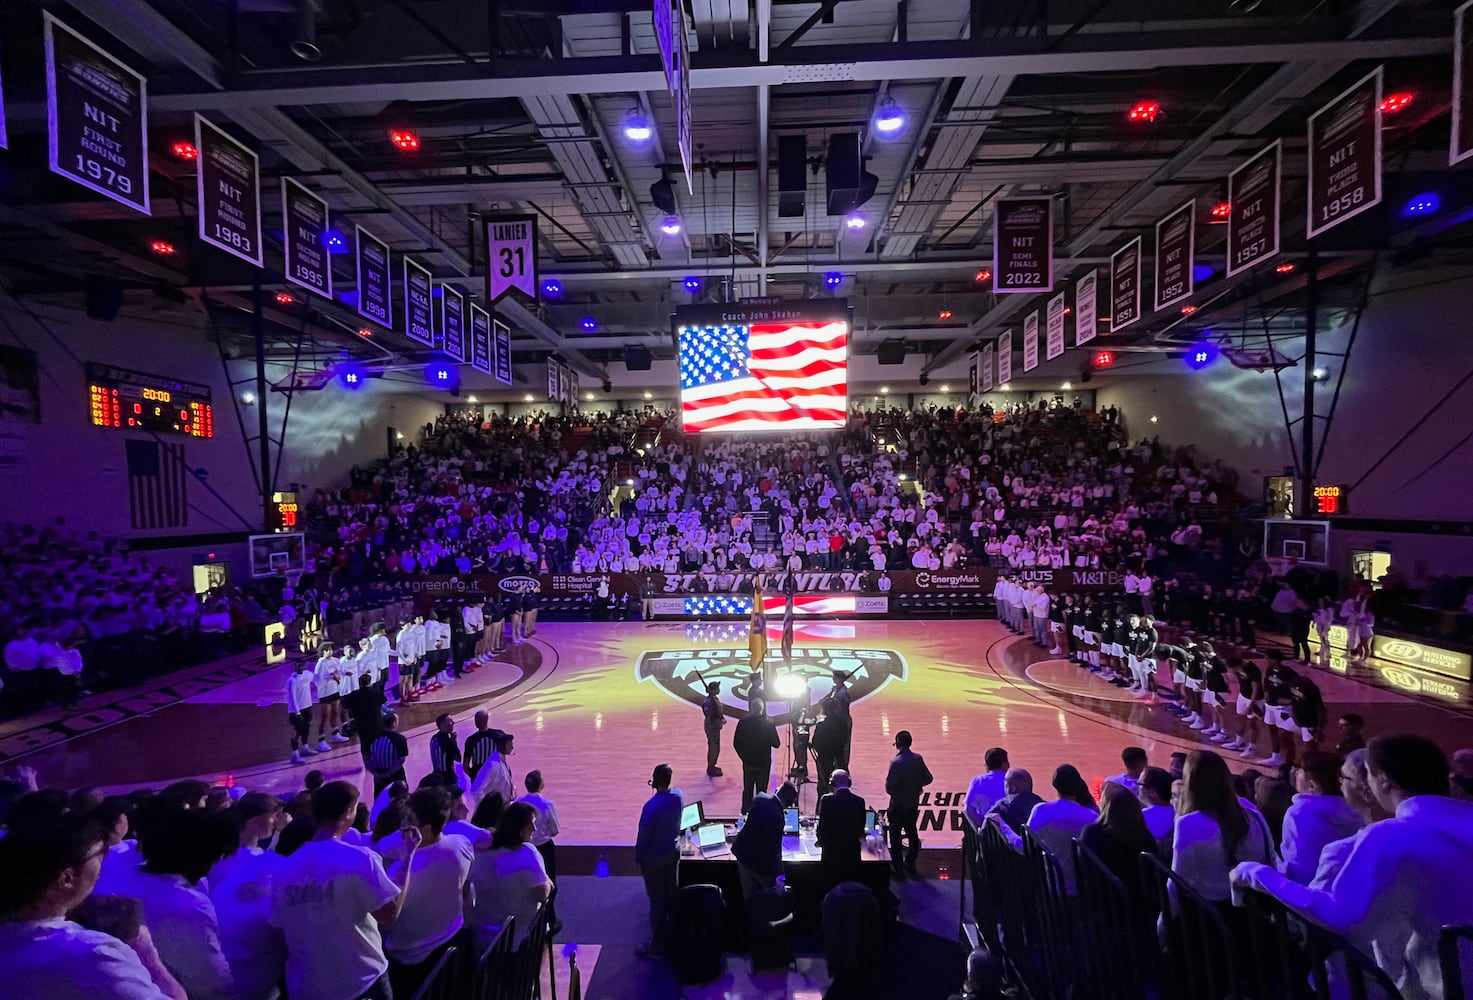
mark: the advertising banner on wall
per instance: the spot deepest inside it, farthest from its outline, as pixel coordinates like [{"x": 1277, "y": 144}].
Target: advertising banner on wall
[
  {"x": 1125, "y": 285},
  {"x": 1345, "y": 156},
  {"x": 1023, "y": 245},
  {"x": 1253, "y": 210}
]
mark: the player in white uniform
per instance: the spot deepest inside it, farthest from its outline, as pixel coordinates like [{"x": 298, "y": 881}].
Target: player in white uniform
[{"x": 329, "y": 710}]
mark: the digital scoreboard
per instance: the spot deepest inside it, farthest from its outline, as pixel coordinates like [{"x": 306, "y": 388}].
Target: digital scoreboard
[
  {"x": 120, "y": 397},
  {"x": 284, "y": 511},
  {"x": 1330, "y": 499}
]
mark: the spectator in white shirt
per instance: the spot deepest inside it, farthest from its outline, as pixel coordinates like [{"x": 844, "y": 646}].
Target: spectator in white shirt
[
  {"x": 1395, "y": 893},
  {"x": 509, "y": 880},
  {"x": 495, "y": 774},
  {"x": 987, "y": 789},
  {"x": 240, "y": 888},
  {"x": 51, "y": 867},
  {"x": 330, "y": 898},
  {"x": 1055, "y": 825},
  {"x": 433, "y": 911},
  {"x": 1156, "y": 809},
  {"x": 547, "y": 827},
  {"x": 1214, "y": 831},
  {"x": 1135, "y": 760},
  {"x": 1318, "y": 817}
]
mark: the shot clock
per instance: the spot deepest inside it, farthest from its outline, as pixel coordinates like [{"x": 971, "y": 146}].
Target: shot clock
[
  {"x": 131, "y": 400},
  {"x": 1330, "y": 499}
]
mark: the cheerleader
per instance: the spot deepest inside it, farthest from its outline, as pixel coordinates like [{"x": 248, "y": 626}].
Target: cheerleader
[
  {"x": 514, "y": 612},
  {"x": 1323, "y": 617},
  {"x": 1359, "y": 625}
]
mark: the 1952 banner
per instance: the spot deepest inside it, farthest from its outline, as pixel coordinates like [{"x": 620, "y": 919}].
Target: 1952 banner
[
  {"x": 1030, "y": 341},
  {"x": 1125, "y": 285},
  {"x": 418, "y": 324},
  {"x": 1175, "y": 239},
  {"x": 1023, "y": 245},
  {"x": 452, "y": 322},
  {"x": 1055, "y": 327},
  {"x": 1345, "y": 156},
  {"x": 1253, "y": 210},
  {"x": 304, "y": 238},
  {"x": 1005, "y": 359},
  {"x": 374, "y": 291},
  {"x": 1086, "y": 307},
  {"x": 228, "y": 186}
]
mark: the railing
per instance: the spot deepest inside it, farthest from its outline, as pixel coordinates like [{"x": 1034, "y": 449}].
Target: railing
[
  {"x": 444, "y": 980},
  {"x": 1308, "y": 960},
  {"x": 491, "y": 979},
  {"x": 1451, "y": 947}
]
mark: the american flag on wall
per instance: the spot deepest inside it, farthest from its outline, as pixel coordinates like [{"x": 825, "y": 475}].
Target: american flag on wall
[
  {"x": 158, "y": 485},
  {"x": 782, "y": 375}
]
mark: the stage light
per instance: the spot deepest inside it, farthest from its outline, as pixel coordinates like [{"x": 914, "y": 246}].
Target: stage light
[
  {"x": 833, "y": 279},
  {"x": 1319, "y": 373},
  {"x": 588, "y": 397},
  {"x": 1188, "y": 309},
  {"x": 890, "y": 119},
  {"x": 1201, "y": 355},
  {"x": 364, "y": 331},
  {"x": 471, "y": 399},
  {"x": 648, "y": 394},
  {"x": 946, "y": 388},
  {"x": 790, "y": 687},
  {"x": 351, "y": 376},
  {"x": 185, "y": 151},
  {"x": 527, "y": 398},
  {"x": 162, "y": 248},
  {"x": 884, "y": 390},
  {"x": 671, "y": 225},
  {"x": 405, "y": 140},
  {"x": 1005, "y": 387},
  {"x": 1066, "y": 386},
  {"x": 1104, "y": 359},
  {"x": 284, "y": 298},
  {"x": 637, "y": 127},
  {"x": 440, "y": 374},
  {"x": 588, "y": 324},
  {"x": 1068, "y": 310},
  {"x": 552, "y": 288},
  {"x": 1222, "y": 210},
  {"x": 983, "y": 276},
  {"x": 334, "y": 241},
  {"x": 248, "y": 398},
  {"x": 1144, "y": 111},
  {"x": 1155, "y": 419},
  {"x": 1201, "y": 272},
  {"x": 692, "y": 284},
  {"x": 1397, "y": 102},
  {"x": 1422, "y": 204},
  {"x": 944, "y": 314},
  {"x": 1285, "y": 268},
  {"x": 855, "y": 220}
]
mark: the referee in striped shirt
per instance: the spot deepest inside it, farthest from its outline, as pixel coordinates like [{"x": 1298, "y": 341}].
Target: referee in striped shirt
[
  {"x": 387, "y": 754},
  {"x": 478, "y": 745},
  {"x": 444, "y": 751}
]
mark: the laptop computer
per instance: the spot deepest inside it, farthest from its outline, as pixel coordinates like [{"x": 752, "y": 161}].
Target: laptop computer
[
  {"x": 711, "y": 840},
  {"x": 790, "y": 822}
]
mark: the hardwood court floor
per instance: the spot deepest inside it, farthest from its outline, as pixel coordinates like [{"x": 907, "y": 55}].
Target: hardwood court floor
[{"x": 596, "y": 705}]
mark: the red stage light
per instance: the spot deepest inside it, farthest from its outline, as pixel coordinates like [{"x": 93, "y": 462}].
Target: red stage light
[
  {"x": 161, "y": 248},
  {"x": 1145, "y": 111},
  {"x": 984, "y": 275},
  {"x": 404, "y": 139},
  {"x": 1068, "y": 310},
  {"x": 1284, "y": 268},
  {"x": 364, "y": 331},
  {"x": 1188, "y": 310},
  {"x": 185, "y": 150},
  {"x": 944, "y": 314},
  {"x": 284, "y": 298},
  {"x": 1393, "y": 103},
  {"x": 1222, "y": 210},
  {"x": 1104, "y": 359}
]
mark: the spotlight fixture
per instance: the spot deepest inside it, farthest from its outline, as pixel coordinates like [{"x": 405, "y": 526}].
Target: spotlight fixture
[
  {"x": 1187, "y": 310},
  {"x": 692, "y": 283},
  {"x": 1068, "y": 310},
  {"x": 607, "y": 386},
  {"x": 1201, "y": 355},
  {"x": 944, "y": 314},
  {"x": 527, "y": 398},
  {"x": 471, "y": 399},
  {"x": 1201, "y": 272},
  {"x": 648, "y": 394},
  {"x": 405, "y": 140},
  {"x": 1287, "y": 267},
  {"x": 925, "y": 379},
  {"x": 637, "y": 127},
  {"x": 1222, "y": 210},
  {"x": 588, "y": 397},
  {"x": 662, "y": 193},
  {"x": 441, "y": 374},
  {"x": 1155, "y": 419},
  {"x": 351, "y": 376},
  {"x": 890, "y": 119},
  {"x": 185, "y": 151},
  {"x": 285, "y": 298},
  {"x": 833, "y": 279},
  {"x": 162, "y": 248},
  {"x": 364, "y": 331},
  {"x": 671, "y": 225},
  {"x": 855, "y": 220},
  {"x": 1319, "y": 373},
  {"x": 1393, "y": 103},
  {"x": 1144, "y": 111},
  {"x": 335, "y": 241},
  {"x": 1005, "y": 387},
  {"x": 248, "y": 398},
  {"x": 588, "y": 324},
  {"x": 946, "y": 388},
  {"x": 1066, "y": 386},
  {"x": 552, "y": 288},
  {"x": 884, "y": 390},
  {"x": 1422, "y": 204},
  {"x": 983, "y": 276},
  {"x": 1104, "y": 359}
]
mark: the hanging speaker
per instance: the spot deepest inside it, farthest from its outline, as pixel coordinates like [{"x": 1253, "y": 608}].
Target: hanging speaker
[
  {"x": 892, "y": 352},
  {"x": 637, "y": 359},
  {"x": 842, "y": 173},
  {"x": 792, "y": 175}
]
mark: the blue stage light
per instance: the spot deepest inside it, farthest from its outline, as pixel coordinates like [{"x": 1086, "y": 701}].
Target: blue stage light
[
  {"x": 1422, "y": 204},
  {"x": 833, "y": 279},
  {"x": 351, "y": 375},
  {"x": 1200, "y": 355},
  {"x": 552, "y": 288},
  {"x": 442, "y": 374},
  {"x": 335, "y": 241},
  {"x": 588, "y": 324},
  {"x": 1201, "y": 272},
  {"x": 692, "y": 284}
]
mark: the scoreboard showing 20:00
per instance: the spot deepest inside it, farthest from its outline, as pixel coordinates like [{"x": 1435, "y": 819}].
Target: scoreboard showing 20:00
[{"x": 130, "y": 400}]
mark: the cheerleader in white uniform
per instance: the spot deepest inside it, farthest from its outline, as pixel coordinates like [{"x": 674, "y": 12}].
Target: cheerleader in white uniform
[
  {"x": 1323, "y": 618},
  {"x": 1359, "y": 627}
]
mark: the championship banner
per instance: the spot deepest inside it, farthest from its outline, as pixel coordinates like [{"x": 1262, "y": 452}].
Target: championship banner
[
  {"x": 1460, "y": 147},
  {"x": 1055, "y": 343},
  {"x": 1254, "y": 190},
  {"x": 974, "y": 376},
  {"x": 1005, "y": 359},
  {"x": 228, "y": 187},
  {"x": 1125, "y": 285},
  {"x": 1023, "y": 245},
  {"x": 1175, "y": 247},
  {"x": 374, "y": 292},
  {"x": 1085, "y": 307},
  {"x": 564, "y": 384},
  {"x": 304, "y": 238},
  {"x": 452, "y": 323},
  {"x": 1030, "y": 341},
  {"x": 501, "y": 335},
  {"x": 1345, "y": 156},
  {"x": 96, "y": 118},
  {"x": 573, "y": 393},
  {"x": 554, "y": 383},
  {"x": 511, "y": 256},
  {"x": 988, "y": 351},
  {"x": 418, "y": 322},
  {"x": 480, "y": 339}
]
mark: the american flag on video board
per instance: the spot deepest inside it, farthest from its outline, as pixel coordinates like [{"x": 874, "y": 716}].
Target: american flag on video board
[{"x": 774, "y": 375}]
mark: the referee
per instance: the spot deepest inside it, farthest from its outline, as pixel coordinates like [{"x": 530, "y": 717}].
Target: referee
[
  {"x": 478, "y": 745},
  {"x": 387, "y": 754},
  {"x": 444, "y": 751}
]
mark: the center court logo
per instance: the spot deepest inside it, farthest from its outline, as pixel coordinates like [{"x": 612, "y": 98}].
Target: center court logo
[{"x": 675, "y": 672}]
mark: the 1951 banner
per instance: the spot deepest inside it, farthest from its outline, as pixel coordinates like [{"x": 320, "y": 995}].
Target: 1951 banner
[{"x": 1125, "y": 285}]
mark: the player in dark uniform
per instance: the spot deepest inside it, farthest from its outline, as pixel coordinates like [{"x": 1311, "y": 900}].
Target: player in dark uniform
[
  {"x": 715, "y": 718},
  {"x": 494, "y": 615},
  {"x": 1278, "y": 709},
  {"x": 1089, "y": 623},
  {"x": 1249, "y": 706},
  {"x": 1307, "y": 708},
  {"x": 1215, "y": 695},
  {"x": 1072, "y": 629},
  {"x": 1194, "y": 666}
]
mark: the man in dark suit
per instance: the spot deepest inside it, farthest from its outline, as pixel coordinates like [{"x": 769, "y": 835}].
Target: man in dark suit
[
  {"x": 754, "y": 740},
  {"x": 907, "y": 778},
  {"x": 840, "y": 831}
]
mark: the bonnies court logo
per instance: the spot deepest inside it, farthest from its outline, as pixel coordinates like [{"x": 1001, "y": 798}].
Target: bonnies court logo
[{"x": 684, "y": 673}]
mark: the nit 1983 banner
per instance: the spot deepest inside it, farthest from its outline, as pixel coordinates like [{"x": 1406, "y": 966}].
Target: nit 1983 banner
[
  {"x": 304, "y": 238},
  {"x": 1023, "y": 245},
  {"x": 228, "y": 185},
  {"x": 1345, "y": 156},
  {"x": 480, "y": 339},
  {"x": 1175, "y": 244},
  {"x": 1125, "y": 285},
  {"x": 97, "y": 118},
  {"x": 1030, "y": 341},
  {"x": 374, "y": 291},
  {"x": 1253, "y": 210},
  {"x": 418, "y": 318},
  {"x": 452, "y": 322}
]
